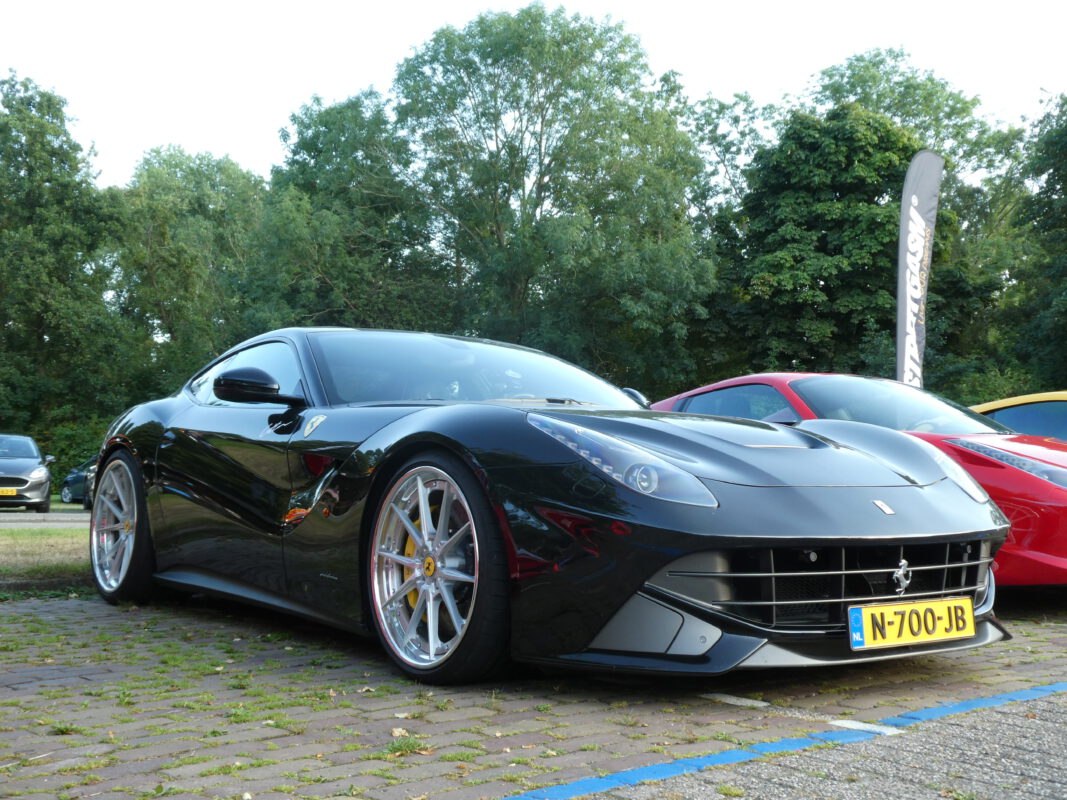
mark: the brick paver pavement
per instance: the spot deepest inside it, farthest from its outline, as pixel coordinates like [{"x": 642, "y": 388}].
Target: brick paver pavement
[{"x": 193, "y": 698}]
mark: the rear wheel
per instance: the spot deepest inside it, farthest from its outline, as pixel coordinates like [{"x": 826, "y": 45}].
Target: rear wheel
[
  {"x": 120, "y": 547},
  {"x": 438, "y": 577}
]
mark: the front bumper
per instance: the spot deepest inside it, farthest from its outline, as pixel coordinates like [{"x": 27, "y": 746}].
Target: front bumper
[
  {"x": 33, "y": 493},
  {"x": 651, "y": 635}
]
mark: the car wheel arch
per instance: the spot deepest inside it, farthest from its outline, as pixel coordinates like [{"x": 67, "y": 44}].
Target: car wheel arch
[{"x": 385, "y": 472}]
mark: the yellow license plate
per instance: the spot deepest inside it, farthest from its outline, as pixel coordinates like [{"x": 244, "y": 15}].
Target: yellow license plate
[
  {"x": 915, "y": 622},
  {"x": 8, "y": 492}
]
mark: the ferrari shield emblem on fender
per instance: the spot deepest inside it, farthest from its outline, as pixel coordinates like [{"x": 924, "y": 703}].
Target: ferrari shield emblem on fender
[{"x": 313, "y": 423}]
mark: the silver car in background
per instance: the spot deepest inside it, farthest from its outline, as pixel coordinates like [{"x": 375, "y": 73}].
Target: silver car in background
[{"x": 24, "y": 476}]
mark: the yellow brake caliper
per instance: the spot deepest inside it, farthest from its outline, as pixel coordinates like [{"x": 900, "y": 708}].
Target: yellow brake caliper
[{"x": 428, "y": 565}]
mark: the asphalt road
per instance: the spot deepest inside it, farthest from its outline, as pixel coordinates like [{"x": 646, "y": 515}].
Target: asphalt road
[
  {"x": 195, "y": 698},
  {"x": 20, "y": 518}
]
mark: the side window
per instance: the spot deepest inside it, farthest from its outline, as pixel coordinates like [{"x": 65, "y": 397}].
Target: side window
[
  {"x": 1039, "y": 419},
  {"x": 749, "y": 401},
  {"x": 277, "y": 359}
]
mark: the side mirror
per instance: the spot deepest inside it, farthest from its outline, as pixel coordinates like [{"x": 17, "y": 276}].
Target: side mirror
[
  {"x": 636, "y": 396},
  {"x": 49, "y": 459},
  {"x": 252, "y": 385}
]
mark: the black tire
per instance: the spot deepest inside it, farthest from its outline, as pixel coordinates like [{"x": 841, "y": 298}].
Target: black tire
[
  {"x": 439, "y": 594},
  {"x": 120, "y": 543},
  {"x": 65, "y": 494},
  {"x": 45, "y": 507}
]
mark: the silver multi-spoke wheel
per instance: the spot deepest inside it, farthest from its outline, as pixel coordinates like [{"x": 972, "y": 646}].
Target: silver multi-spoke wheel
[
  {"x": 113, "y": 526},
  {"x": 424, "y": 567}
]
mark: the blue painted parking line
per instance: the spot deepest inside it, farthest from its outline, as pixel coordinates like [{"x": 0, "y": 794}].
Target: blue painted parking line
[
  {"x": 948, "y": 709},
  {"x": 683, "y": 766},
  {"x": 844, "y": 737}
]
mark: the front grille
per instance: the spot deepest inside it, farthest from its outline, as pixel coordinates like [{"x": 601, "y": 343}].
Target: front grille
[
  {"x": 811, "y": 588},
  {"x": 12, "y": 481}
]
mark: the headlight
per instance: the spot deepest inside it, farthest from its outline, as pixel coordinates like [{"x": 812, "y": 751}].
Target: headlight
[
  {"x": 628, "y": 464},
  {"x": 958, "y": 474},
  {"x": 1048, "y": 472},
  {"x": 39, "y": 473}
]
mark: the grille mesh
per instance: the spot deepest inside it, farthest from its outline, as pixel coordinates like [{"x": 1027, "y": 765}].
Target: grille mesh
[{"x": 806, "y": 588}]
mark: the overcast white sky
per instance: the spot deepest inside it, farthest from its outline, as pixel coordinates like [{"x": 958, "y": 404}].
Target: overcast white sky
[{"x": 224, "y": 76}]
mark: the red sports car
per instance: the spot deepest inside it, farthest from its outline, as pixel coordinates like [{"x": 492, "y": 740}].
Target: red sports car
[{"x": 1025, "y": 475}]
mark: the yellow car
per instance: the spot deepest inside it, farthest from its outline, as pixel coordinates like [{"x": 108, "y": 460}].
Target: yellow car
[{"x": 1042, "y": 414}]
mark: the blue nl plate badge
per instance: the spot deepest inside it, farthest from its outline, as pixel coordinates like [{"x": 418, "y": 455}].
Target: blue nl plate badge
[{"x": 855, "y": 627}]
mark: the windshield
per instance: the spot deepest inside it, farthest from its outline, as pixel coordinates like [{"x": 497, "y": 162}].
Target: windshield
[
  {"x": 382, "y": 366},
  {"x": 18, "y": 447},
  {"x": 889, "y": 404}
]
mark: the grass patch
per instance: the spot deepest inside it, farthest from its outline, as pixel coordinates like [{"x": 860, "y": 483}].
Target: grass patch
[{"x": 48, "y": 558}]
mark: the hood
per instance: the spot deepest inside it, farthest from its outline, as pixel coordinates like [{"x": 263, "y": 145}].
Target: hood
[
  {"x": 750, "y": 453},
  {"x": 19, "y": 466}
]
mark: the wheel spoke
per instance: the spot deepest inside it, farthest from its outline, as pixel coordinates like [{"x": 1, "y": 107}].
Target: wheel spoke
[
  {"x": 425, "y": 513},
  {"x": 460, "y": 534},
  {"x": 458, "y": 621},
  {"x": 433, "y": 620},
  {"x": 409, "y": 526},
  {"x": 122, "y": 490},
  {"x": 444, "y": 516},
  {"x": 402, "y": 591},
  {"x": 114, "y": 549},
  {"x": 114, "y": 509},
  {"x": 456, "y": 575},
  {"x": 397, "y": 558},
  {"x": 416, "y": 616}
]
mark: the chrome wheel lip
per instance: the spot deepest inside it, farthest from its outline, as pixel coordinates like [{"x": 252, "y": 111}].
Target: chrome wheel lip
[
  {"x": 437, "y": 565},
  {"x": 113, "y": 525}
]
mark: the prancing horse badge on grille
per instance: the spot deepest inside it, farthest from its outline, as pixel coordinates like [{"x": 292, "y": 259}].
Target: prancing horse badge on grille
[{"x": 902, "y": 576}]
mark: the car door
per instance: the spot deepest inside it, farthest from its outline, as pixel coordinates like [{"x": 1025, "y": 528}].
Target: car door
[{"x": 224, "y": 476}]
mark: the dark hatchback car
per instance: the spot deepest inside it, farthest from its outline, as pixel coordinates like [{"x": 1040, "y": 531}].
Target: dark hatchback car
[
  {"x": 24, "y": 477},
  {"x": 77, "y": 485}
]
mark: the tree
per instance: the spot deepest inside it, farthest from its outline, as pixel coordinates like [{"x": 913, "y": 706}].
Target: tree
[
  {"x": 557, "y": 179},
  {"x": 818, "y": 277},
  {"x": 56, "y": 361},
  {"x": 943, "y": 118},
  {"x": 1038, "y": 298},
  {"x": 346, "y": 240},
  {"x": 183, "y": 258}
]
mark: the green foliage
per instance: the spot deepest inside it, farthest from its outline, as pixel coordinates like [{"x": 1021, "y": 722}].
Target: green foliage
[
  {"x": 345, "y": 239},
  {"x": 184, "y": 255},
  {"x": 55, "y": 351},
  {"x": 1040, "y": 297},
  {"x": 819, "y": 279},
  {"x": 944, "y": 119},
  {"x": 558, "y": 184}
]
